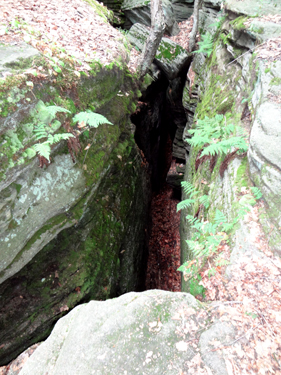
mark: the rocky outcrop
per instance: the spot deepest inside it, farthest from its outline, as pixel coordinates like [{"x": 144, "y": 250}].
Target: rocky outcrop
[
  {"x": 183, "y": 9},
  {"x": 75, "y": 229},
  {"x": 245, "y": 89},
  {"x": 171, "y": 58},
  {"x": 164, "y": 99},
  {"x": 150, "y": 332},
  {"x": 138, "y": 11}
]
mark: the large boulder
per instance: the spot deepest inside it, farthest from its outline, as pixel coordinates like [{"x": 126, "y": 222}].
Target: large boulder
[
  {"x": 153, "y": 332},
  {"x": 183, "y": 9},
  {"x": 171, "y": 58},
  {"x": 264, "y": 151},
  {"x": 138, "y": 11},
  {"x": 75, "y": 229}
]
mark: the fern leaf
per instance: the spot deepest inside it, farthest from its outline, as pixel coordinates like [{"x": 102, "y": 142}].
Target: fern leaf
[
  {"x": 52, "y": 139},
  {"x": 256, "y": 191},
  {"x": 91, "y": 118},
  {"x": 226, "y": 227},
  {"x": 185, "y": 204},
  {"x": 213, "y": 149},
  {"x": 220, "y": 218},
  {"x": 43, "y": 149},
  {"x": 188, "y": 188},
  {"x": 191, "y": 220},
  {"x": 53, "y": 109},
  {"x": 205, "y": 200},
  {"x": 40, "y": 131},
  {"x": 198, "y": 140}
]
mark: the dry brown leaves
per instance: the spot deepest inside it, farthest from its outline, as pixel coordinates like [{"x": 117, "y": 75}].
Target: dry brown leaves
[
  {"x": 270, "y": 50},
  {"x": 269, "y": 18},
  {"x": 164, "y": 244},
  {"x": 251, "y": 301},
  {"x": 183, "y": 37},
  {"x": 71, "y": 25}
]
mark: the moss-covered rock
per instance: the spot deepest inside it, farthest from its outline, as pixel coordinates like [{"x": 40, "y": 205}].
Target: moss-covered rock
[
  {"x": 73, "y": 230},
  {"x": 230, "y": 82}
]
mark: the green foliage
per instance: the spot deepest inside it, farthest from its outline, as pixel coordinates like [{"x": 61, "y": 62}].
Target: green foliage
[
  {"x": 190, "y": 190},
  {"x": 205, "y": 200},
  {"x": 43, "y": 132},
  {"x": 215, "y": 132},
  {"x": 207, "y": 236},
  {"x": 195, "y": 288},
  {"x": 91, "y": 119},
  {"x": 206, "y": 44},
  {"x": 256, "y": 191}
]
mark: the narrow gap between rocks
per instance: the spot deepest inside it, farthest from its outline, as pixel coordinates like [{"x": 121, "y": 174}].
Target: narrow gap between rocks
[{"x": 158, "y": 118}]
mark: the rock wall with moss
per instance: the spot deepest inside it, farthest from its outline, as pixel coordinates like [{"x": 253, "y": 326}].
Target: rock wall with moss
[
  {"x": 74, "y": 230},
  {"x": 237, "y": 78}
]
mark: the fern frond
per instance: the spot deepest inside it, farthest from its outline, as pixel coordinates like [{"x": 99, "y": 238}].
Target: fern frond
[
  {"x": 220, "y": 218},
  {"x": 40, "y": 131},
  {"x": 43, "y": 149},
  {"x": 227, "y": 227},
  {"x": 53, "y": 109},
  {"x": 256, "y": 191},
  {"x": 206, "y": 44},
  {"x": 213, "y": 149},
  {"x": 91, "y": 118},
  {"x": 209, "y": 228},
  {"x": 185, "y": 204},
  {"x": 236, "y": 142},
  {"x": 205, "y": 200},
  {"x": 198, "y": 140},
  {"x": 188, "y": 188},
  {"x": 52, "y": 139}
]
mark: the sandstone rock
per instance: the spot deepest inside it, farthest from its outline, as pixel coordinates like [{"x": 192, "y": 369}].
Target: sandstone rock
[
  {"x": 138, "y": 11},
  {"x": 135, "y": 333},
  {"x": 171, "y": 58}
]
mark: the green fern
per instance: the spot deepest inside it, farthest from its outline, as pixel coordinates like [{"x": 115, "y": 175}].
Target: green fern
[
  {"x": 43, "y": 149},
  {"x": 90, "y": 118},
  {"x": 206, "y": 45},
  {"x": 205, "y": 200},
  {"x": 188, "y": 188},
  {"x": 185, "y": 204},
  {"x": 257, "y": 193},
  {"x": 40, "y": 131},
  {"x": 215, "y": 133},
  {"x": 53, "y": 109},
  {"x": 220, "y": 218}
]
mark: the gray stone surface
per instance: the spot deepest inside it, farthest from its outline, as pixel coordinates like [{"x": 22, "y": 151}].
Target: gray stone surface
[
  {"x": 138, "y": 11},
  {"x": 170, "y": 57},
  {"x": 68, "y": 230},
  {"x": 133, "y": 334},
  {"x": 182, "y": 10},
  {"x": 17, "y": 56},
  {"x": 254, "y": 7},
  {"x": 264, "y": 150},
  {"x": 222, "y": 332},
  {"x": 43, "y": 195}
]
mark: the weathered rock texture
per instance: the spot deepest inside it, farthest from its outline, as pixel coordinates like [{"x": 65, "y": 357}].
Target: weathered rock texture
[
  {"x": 72, "y": 231},
  {"x": 138, "y": 11},
  {"x": 162, "y": 115},
  {"x": 246, "y": 90},
  {"x": 133, "y": 334}
]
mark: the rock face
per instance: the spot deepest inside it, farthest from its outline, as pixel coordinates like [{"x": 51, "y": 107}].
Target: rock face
[
  {"x": 74, "y": 230},
  {"x": 135, "y": 333},
  {"x": 163, "y": 104},
  {"x": 246, "y": 91},
  {"x": 138, "y": 11},
  {"x": 171, "y": 58}
]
